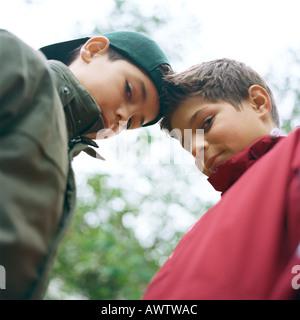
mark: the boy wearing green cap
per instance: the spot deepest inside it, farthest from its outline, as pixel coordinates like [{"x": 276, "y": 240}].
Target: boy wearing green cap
[{"x": 50, "y": 110}]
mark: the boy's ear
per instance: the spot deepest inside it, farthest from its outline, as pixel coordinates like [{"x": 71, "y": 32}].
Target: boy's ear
[
  {"x": 260, "y": 100},
  {"x": 93, "y": 47}
]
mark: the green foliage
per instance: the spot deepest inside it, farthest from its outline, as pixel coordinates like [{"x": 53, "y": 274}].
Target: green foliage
[
  {"x": 102, "y": 256},
  {"x": 288, "y": 124},
  {"x": 286, "y": 88}
]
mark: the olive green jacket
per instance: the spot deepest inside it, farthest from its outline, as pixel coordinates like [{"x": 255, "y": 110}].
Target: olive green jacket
[{"x": 44, "y": 112}]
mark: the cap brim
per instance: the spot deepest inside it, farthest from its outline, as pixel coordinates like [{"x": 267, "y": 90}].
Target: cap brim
[{"x": 62, "y": 51}]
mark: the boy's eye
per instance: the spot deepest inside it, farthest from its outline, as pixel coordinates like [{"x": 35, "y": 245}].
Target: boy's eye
[
  {"x": 207, "y": 124},
  {"x": 128, "y": 90},
  {"x": 129, "y": 124}
]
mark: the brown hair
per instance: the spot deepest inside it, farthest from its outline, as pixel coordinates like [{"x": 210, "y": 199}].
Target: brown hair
[{"x": 223, "y": 79}]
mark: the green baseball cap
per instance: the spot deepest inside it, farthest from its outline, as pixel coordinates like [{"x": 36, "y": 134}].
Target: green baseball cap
[{"x": 136, "y": 47}]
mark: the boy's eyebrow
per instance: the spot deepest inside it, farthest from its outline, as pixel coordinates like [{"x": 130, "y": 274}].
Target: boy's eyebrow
[{"x": 194, "y": 116}]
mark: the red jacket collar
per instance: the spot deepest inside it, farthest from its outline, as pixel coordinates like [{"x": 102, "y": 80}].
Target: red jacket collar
[{"x": 228, "y": 172}]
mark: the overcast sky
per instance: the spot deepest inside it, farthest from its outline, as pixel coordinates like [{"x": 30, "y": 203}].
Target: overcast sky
[{"x": 252, "y": 31}]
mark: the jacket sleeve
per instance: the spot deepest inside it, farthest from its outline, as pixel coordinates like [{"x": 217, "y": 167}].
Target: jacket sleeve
[
  {"x": 293, "y": 220},
  {"x": 288, "y": 284},
  {"x": 33, "y": 169}
]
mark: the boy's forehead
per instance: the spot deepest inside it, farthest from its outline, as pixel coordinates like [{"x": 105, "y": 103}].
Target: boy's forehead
[
  {"x": 178, "y": 118},
  {"x": 187, "y": 111}
]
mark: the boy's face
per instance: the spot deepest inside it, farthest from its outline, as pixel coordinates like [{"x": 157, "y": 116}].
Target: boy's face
[
  {"x": 125, "y": 94},
  {"x": 227, "y": 131}
]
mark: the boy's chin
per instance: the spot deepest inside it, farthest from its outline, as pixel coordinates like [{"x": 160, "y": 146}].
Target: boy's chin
[
  {"x": 105, "y": 134},
  {"x": 200, "y": 166}
]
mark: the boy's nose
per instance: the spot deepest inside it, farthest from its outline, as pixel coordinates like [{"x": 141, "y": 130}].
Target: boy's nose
[
  {"x": 199, "y": 145},
  {"x": 124, "y": 113}
]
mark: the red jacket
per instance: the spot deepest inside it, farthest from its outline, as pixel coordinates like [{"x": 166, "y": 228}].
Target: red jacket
[{"x": 247, "y": 246}]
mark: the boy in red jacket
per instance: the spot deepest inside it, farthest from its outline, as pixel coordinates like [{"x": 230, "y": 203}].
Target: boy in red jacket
[{"x": 247, "y": 246}]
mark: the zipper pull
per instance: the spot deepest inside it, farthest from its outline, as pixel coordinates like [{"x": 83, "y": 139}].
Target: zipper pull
[
  {"x": 73, "y": 141},
  {"x": 88, "y": 141}
]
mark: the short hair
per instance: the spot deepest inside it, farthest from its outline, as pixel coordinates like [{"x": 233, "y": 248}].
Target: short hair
[{"x": 217, "y": 80}]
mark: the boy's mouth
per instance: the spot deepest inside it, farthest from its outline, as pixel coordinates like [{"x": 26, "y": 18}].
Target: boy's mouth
[{"x": 212, "y": 162}]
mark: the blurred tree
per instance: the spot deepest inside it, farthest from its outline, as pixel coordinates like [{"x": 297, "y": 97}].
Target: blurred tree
[
  {"x": 121, "y": 234},
  {"x": 101, "y": 258},
  {"x": 287, "y": 89},
  {"x": 288, "y": 124},
  {"x": 127, "y": 15}
]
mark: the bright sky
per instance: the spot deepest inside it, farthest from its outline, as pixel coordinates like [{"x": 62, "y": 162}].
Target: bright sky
[
  {"x": 257, "y": 32},
  {"x": 253, "y": 31}
]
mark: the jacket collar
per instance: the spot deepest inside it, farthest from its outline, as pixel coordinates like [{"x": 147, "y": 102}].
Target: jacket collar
[
  {"x": 228, "y": 172},
  {"x": 83, "y": 115}
]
